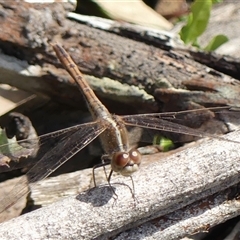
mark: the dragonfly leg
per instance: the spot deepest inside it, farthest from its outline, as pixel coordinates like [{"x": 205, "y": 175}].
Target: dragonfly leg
[
  {"x": 109, "y": 176},
  {"x": 108, "y": 179},
  {"x": 98, "y": 166},
  {"x": 105, "y": 162}
]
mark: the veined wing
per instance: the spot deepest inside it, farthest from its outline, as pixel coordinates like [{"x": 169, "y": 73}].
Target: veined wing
[
  {"x": 75, "y": 140},
  {"x": 177, "y": 122},
  {"x": 24, "y": 153}
]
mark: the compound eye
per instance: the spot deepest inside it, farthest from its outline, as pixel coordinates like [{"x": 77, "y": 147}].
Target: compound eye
[
  {"x": 135, "y": 156},
  {"x": 120, "y": 159}
]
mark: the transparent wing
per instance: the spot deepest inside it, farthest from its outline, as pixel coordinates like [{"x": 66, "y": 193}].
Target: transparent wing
[
  {"x": 185, "y": 122},
  {"x": 24, "y": 153},
  {"x": 73, "y": 141}
]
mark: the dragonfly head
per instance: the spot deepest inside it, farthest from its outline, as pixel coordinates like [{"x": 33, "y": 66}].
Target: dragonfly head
[{"x": 126, "y": 163}]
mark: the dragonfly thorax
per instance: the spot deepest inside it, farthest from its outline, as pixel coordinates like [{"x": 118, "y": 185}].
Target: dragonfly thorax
[
  {"x": 115, "y": 137},
  {"x": 115, "y": 143}
]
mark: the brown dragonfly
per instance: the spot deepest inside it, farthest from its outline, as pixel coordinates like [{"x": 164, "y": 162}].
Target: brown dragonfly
[{"x": 109, "y": 127}]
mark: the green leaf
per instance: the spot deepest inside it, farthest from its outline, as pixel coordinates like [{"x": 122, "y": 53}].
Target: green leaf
[
  {"x": 7, "y": 145},
  {"x": 197, "y": 21},
  {"x": 216, "y": 1},
  {"x": 164, "y": 143},
  {"x": 216, "y": 42}
]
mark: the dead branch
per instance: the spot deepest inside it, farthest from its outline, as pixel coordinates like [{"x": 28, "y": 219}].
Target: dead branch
[{"x": 201, "y": 175}]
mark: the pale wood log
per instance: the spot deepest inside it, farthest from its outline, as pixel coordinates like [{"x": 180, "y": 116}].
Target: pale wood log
[{"x": 161, "y": 188}]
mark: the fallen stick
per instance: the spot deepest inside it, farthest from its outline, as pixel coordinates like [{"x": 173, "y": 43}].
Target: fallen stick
[{"x": 169, "y": 185}]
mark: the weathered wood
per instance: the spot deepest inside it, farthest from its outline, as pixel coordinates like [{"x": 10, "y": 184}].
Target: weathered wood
[
  {"x": 204, "y": 171},
  {"x": 225, "y": 64},
  {"x": 26, "y": 31},
  {"x": 16, "y": 210},
  {"x": 103, "y": 54},
  {"x": 50, "y": 190}
]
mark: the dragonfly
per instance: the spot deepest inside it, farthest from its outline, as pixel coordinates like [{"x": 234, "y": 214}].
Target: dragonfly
[{"x": 110, "y": 128}]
